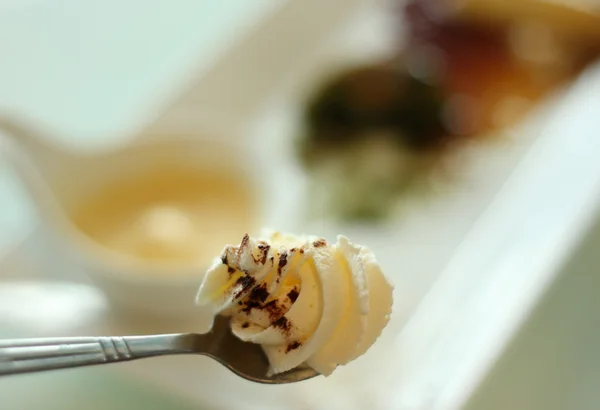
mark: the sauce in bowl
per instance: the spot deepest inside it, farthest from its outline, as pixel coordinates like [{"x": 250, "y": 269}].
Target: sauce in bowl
[{"x": 168, "y": 214}]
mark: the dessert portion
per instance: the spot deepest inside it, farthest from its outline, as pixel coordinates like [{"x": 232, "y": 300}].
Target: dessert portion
[
  {"x": 370, "y": 132},
  {"x": 394, "y": 129},
  {"x": 304, "y": 300}
]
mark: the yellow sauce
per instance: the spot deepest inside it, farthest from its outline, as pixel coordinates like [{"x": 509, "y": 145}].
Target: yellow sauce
[{"x": 170, "y": 214}]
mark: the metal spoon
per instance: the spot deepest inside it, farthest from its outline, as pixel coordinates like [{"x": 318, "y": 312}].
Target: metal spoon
[{"x": 244, "y": 359}]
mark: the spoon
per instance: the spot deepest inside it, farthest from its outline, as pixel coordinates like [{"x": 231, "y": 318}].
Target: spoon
[{"x": 247, "y": 360}]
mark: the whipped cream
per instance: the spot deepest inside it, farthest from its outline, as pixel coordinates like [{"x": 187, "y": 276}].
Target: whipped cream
[{"x": 306, "y": 302}]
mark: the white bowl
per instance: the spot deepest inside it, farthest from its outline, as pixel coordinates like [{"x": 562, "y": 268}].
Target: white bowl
[{"x": 59, "y": 181}]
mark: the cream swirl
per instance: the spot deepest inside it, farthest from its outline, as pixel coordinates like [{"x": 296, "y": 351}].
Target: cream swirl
[{"x": 303, "y": 300}]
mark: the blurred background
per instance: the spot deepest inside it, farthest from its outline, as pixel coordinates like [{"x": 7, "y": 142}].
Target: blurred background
[{"x": 456, "y": 138}]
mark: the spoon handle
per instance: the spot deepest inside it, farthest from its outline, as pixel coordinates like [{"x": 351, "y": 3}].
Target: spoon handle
[{"x": 40, "y": 354}]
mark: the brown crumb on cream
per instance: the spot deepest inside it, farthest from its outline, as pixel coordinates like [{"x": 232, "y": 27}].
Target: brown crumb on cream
[
  {"x": 320, "y": 243},
  {"x": 292, "y": 346},
  {"x": 293, "y": 295},
  {"x": 282, "y": 261}
]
